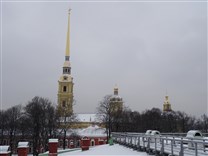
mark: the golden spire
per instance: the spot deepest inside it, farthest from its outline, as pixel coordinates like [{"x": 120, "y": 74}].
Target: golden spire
[{"x": 68, "y": 39}]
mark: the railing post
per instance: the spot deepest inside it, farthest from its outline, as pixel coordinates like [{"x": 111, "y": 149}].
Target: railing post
[
  {"x": 196, "y": 150},
  {"x": 162, "y": 148},
  {"x": 172, "y": 142},
  {"x": 204, "y": 145},
  {"x": 138, "y": 142},
  {"x": 155, "y": 145},
  {"x": 148, "y": 145},
  {"x": 166, "y": 140},
  {"x": 121, "y": 139},
  {"x": 181, "y": 150},
  {"x": 135, "y": 141},
  {"x": 125, "y": 140},
  {"x": 143, "y": 141}
]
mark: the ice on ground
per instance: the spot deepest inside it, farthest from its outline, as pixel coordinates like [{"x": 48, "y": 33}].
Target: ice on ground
[{"x": 106, "y": 150}]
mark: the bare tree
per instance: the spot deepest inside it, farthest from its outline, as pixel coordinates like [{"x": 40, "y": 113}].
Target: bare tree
[
  {"x": 3, "y": 125},
  {"x": 65, "y": 124},
  {"x": 204, "y": 123},
  {"x": 105, "y": 113},
  {"x": 42, "y": 121},
  {"x": 65, "y": 119},
  {"x": 13, "y": 116}
]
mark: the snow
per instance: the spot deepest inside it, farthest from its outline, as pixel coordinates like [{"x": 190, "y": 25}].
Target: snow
[
  {"x": 192, "y": 134},
  {"x": 4, "y": 149},
  {"x": 23, "y": 144},
  {"x": 53, "y": 140},
  {"x": 106, "y": 150},
  {"x": 93, "y": 131},
  {"x": 87, "y": 117}
]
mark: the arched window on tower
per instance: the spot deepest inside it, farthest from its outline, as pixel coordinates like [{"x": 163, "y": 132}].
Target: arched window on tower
[
  {"x": 64, "y": 104},
  {"x": 64, "y": 89}
]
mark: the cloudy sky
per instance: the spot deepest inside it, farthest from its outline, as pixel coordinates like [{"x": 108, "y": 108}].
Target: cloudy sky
[{"x": 144, "y": 48}]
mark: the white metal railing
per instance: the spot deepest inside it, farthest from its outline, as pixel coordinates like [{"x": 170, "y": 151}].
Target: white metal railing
[{"x": 173, "y": 145}]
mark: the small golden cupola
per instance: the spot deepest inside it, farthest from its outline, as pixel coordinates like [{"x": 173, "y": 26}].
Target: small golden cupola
[
  {"x": 116, "y": 102},
  {"x": 167, "y": 105}
]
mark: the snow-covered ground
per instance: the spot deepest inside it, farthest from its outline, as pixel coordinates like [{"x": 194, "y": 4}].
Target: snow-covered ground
[{"x": 106, "y": 150}]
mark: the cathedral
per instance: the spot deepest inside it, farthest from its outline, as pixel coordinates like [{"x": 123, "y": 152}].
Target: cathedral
[
  {"x": 65, "y": 82},
  {"x": 65, "y": 88}
]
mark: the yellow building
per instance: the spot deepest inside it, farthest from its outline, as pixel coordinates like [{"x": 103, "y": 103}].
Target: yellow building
[
  {"x": 65, "y": 83},
  {"x": 116, "y": 102},
  {"x": 167, "y": 105}
]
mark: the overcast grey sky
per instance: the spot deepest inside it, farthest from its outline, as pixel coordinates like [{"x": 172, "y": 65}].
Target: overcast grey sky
[{"x": 144, "y": 48}]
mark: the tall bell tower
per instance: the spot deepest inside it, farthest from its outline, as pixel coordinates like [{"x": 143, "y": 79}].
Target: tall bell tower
[
  {"x": 167, "y": 105},
  {"x": 65, "y": 83},
  {"x": 116, "y": 102}
]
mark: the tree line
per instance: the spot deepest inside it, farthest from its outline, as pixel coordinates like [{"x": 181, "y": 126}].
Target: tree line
[
  {"x": 127, "y": 120},
  {"x": 37, "y": 121},
  {"x": 40, "y": 120}
]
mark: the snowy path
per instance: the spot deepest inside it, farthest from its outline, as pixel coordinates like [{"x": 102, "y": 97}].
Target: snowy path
[{"x": 106, "y": 150}]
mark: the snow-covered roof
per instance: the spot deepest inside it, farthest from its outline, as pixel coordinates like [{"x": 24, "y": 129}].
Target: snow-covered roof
[
  {"x": 23, "y": 144},
  {"x": 194, "y": 134},
  {"x": 154, "y": 132},
  {"x": 53, "y": 140},
  {"x": 148, "y": 132},
  {"x": 92, "y": 131},
  {"x": 4, "y": 149},
  {"x": 87, "y": 117}
]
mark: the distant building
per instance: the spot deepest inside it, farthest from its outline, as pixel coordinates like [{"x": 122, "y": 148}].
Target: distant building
[
  {"x": 94, "y": 133},
  {"x": 86, "y": 120},
  {"x": 65, "y": 83},
  {"x": 166, "y": 105},
  {"x": 116, "y": 102}
]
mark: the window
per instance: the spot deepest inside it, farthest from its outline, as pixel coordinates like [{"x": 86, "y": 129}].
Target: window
[
  {"x": 64, "y": 104},
  {"x": 64, "y": 89}
]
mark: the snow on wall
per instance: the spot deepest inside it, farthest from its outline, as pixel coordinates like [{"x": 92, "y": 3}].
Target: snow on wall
[
  {"x": 87, "y": 117},
  {"x": 92, "y": 131}
]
